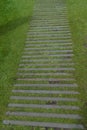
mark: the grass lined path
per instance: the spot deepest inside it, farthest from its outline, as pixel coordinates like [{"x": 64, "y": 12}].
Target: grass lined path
[{"x": 46, "y": 93}]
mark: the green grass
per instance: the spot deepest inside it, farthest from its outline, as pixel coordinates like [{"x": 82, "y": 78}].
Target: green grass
[
  {"x": 78, "y": 23},
  {"x": 15, "y": 16},
  {"x": 13, "y": 27}
]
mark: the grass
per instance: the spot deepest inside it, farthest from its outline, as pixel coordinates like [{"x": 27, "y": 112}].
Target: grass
[
  {"x": 78, "y": 23},
  {"x": 13, "y": 28},
  {"x": 15, "y": 16}
]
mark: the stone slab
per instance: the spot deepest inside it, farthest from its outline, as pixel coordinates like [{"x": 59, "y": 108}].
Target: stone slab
[
  {"x": 47, "y": 85},
  {"x": 44, "y": 98},
  {"x": 51, "y": 51},
  {"x": 43, "y": 74},
  {"x": 39, "y": 56},
  {"x": 48, "y": 45},
  {"x": 46, "y": 79},
  {"x": 54, "y": 65},
  {"x": 46, "y": 60},
  {"x": 43, "y": 124},
  {"x": 49, "y": 41},
  {"x": 49, "y": 48},
  {"x": 45, "y": 92},
  {"x": 47, "y": 115},
  {"x": 57, "y": 69},
  {"x": 43, "y": 106}
]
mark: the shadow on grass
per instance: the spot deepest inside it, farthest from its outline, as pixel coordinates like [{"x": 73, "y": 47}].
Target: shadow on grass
[{"x": 13, "y": 24}]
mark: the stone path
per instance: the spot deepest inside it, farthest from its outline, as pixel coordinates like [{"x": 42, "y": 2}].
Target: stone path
[{"x": 45, "y": 93}]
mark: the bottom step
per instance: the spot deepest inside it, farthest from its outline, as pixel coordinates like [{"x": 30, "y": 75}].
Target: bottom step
[{"x": 43, "y": 124}]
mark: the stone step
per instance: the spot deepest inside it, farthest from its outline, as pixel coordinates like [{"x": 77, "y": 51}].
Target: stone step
[
  {"x": 44, "y": 98},
  {"x": 54, "y": 65},
  {"x": 45, "y": 92},
  {"x": 46, "y": 115},
  {"x": 36, "y": 43},
  {"x": 50, "y": 51},
  {"x": 49, "y": 35},
  {"x": 45, "y": 14},
  {"x": 46, "y": 48},
  {"x": 47, "y": 85},
  {"x": 46, "y": 60},
  {"x": 43, "y": 124},
  {"x": 39, "y": 56},
  {"x": 50, "y": 17},
  {"x": 49, "y": 6},
  {"x": 47, "y": 44},
  {"x": 46, "y": 79},
  {"x": 49, "y": 41},
  {"x": 49, "y": 23},
  {"x": 43, "y": 106},
  {"x": 52, "y": 4},
  {"x": 43, "y": 74},
  {"x": 50, "y": 30},
  {"x": 47, "y": 9},
  {"x": 42, "y": 24},
  {"x": 35, "y": 38},
  {"x": 46, "y": 56},
  {"x": 50, "y": 9},
  {"x": 50, "y": 27},
  {"x": 60, "y": 16},
  {"x": 56, "y": 69},
  {"x": 50, "y": 20},
  {"x": 53, "y": 9},
  {"x": 54, "y": 15}
]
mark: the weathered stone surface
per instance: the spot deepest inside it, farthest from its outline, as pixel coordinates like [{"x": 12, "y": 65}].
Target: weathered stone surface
[
  {"x": 43, "y": 74},
  {"x": 36, "y": 56},
  {"x": 44, "y": 98},
  {"x": 60, "y": 64},
  {"x": 70, "y": 116},
  {"x": 47, "y": 85},
  {"x": 58, "y": 69},
  {"x": 45, "y": 92},
  {"x": 43, "y": 106},
  {"x": 43, "y": 124}
]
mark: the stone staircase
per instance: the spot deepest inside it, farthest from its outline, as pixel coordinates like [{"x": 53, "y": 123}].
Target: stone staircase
[{"x": 45, "y": 93}]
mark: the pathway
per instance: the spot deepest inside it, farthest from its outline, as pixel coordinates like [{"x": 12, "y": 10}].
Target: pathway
[{"x": 45, "y": 93}]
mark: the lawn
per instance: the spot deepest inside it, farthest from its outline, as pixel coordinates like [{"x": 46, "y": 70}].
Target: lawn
[
  {"x": 14, "y": 20},
  {"x": 15, "y": 16},
  {"x": 78, "y": 24}
]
